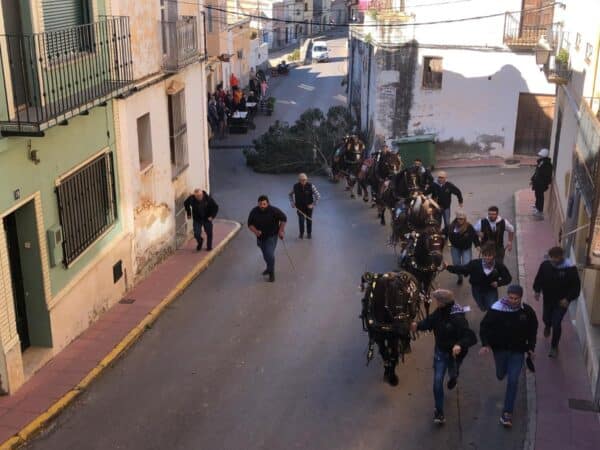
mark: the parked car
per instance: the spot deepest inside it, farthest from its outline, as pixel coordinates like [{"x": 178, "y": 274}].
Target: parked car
[{"x": 320, "y": 52}]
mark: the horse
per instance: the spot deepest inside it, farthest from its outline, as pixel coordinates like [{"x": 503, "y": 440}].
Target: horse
[
  {"x": 375, "y": 171},
  {"x": 390, "y": 304},
  {"x": 422, "y": 256},
  {"x": 347, "y": 161}
]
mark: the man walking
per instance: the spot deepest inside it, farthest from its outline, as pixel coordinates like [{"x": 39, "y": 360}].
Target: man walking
[
  {"x": 442, "y": 191},
  {"x": 304, "y": 198},
  {"x": 267, "y": 223},
  {"x": 202, "y": 209},
  {"x": 486, "y": 275},
  {"x": 453, "y": 337},
  {"x": 540, "y": 181},
  {"x": 558, "y": 280},
  {"x": 492, "y": 229},
  {"x": 509, "y": 330}
]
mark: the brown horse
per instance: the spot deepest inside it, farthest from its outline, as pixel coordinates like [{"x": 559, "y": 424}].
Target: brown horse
[
  {"x": 375, "y": 171},
  {"x": 347, "y": 161}
]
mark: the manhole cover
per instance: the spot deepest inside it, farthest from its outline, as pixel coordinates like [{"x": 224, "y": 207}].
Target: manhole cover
[
  {"x": 583, "y": 405},
  {"x": 127, "y": 301}
]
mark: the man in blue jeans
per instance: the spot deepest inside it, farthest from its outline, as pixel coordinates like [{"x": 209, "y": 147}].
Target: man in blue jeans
[
  {"x": 509, "y": 330},
  {"x": 267, "y": 223},
  {"x": 453, "y": 337}
]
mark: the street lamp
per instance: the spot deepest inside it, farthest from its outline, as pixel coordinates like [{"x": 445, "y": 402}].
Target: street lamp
[{"x": 542, "y": 51}]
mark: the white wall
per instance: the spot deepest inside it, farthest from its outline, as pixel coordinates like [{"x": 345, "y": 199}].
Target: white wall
[{"x": 479, "y": 98}]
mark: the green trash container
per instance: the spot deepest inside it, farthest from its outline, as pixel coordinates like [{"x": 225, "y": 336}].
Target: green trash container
[{"x": 411, "y": 147}]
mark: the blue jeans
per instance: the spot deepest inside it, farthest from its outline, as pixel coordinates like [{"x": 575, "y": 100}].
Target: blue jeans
[
  {"x": 442, "y": 361},
  {"x": 208, "y": 229},
  {"x": 484, "y": 297},
  {"x": 553, "y": 315},
  {"x": 509, "y": 365},
  {"x": 461, "y": 257},
  {"x": 446, "y": 217},
  {"x": 267, "y": 246}
]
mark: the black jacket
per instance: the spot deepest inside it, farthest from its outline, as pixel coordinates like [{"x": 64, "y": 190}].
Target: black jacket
[
  {"x": 465, "y": 240},
  {"x": 477, "y": 277},
  {"x": 542, "y": 177},
  {"x": 302, "y": 195},
  {"x": 201, "y": 210},
  {"x": 443, "y": 194},
  {"x": 267, "y": 221},
  {"x": 557, "y": 283},
  {"x": 450, "y": 327},
  {"x": 514, "y": 331}
]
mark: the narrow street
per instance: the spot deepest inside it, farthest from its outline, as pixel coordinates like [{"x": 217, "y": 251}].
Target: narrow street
[{"x": 238, "y": 363}]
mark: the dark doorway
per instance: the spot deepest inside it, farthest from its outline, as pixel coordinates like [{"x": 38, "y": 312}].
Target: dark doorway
[
  {"x": 13, "y": 28},
  {"x": 16, "y": 275},
  {"x": 534, "y": 123}
]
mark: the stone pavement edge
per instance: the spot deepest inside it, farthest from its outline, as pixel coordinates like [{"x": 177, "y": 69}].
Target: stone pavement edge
[{"x": 71, "y": 371}]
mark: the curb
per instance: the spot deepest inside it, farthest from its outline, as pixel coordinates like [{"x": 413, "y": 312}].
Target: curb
[
  {"x": 38, "y": 423},
  {"x": 530, "y": 387}
]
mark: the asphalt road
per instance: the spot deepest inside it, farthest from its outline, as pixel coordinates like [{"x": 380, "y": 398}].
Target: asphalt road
[{"x": 239, "y": 363}]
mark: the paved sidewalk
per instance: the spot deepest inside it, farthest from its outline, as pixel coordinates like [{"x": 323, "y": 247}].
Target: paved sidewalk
[
  {"x": 484, "y": 162},
  {"x": 555, "y": 424},
  {"x": 55, "y": 385}
]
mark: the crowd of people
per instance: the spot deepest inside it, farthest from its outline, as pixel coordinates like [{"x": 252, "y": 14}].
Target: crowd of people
[
  {"x": 222, "y": 104},
  {"x": 509, "y": 327}
]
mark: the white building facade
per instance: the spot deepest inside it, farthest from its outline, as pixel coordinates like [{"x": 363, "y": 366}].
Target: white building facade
[
  {"x": 161, "y": 128},
  {"x": 473, "y": 84}
]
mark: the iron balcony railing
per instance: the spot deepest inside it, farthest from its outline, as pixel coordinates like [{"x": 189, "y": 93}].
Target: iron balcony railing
[
  {"x": 182, "y": 45},
  {"x": 52, "y": 76},
  {"x": 521, "y": 35}
]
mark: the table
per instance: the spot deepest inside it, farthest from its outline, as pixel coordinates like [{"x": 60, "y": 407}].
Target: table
[
  {"x": 251, "y": 104},
  {"x": 239, "y": 115},
  {"x": 238, "y": 122}
]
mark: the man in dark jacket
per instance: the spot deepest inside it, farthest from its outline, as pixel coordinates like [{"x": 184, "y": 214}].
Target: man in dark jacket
[
  {"x": 558, "y": 280},
  {"x": 540, "y": 181},
  {"x": 453, "y": 337},
  {"x": 442, "y": 191},
  {"x": 485, "y": 275},
  {"x": 267, "y": 223},
  {"x": 304, "y": 197},
  {"x": 509, "y": 329},
  {"x": 202, "y": 209}
]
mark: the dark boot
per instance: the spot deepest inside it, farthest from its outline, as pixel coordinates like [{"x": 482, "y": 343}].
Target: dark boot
[
  {"x": 271, "y": 277},
  {"x": 390, "y": 374}
]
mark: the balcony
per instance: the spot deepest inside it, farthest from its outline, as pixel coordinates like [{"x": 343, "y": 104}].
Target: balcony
[
  {"x": 181, "y": 44},
  {"x": 558, "y": 72},
  {"x": 523, "y": 37},
  {"x": 53, "y": 76}
]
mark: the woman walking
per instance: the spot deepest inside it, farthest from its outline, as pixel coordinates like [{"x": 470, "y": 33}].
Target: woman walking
[{"x": 462, "y": 237}]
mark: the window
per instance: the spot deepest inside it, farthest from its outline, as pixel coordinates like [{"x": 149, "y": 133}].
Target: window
[
  {"x": 178, "y": 133},
  {"x": 87, "y": 205},
  {"x": 62, "y": 23},
  {"x": 144, "y": 141},
  {"x": 589, "y": 50},
  {"x": 209, "y": 19},
  {"x": 306, "y": 7},
  {"x": 432, "y": 72},
  {"x": 577, "y": 41}
]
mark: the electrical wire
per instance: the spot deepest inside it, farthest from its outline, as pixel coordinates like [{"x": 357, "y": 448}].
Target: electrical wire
[{"x": 361, "y": 25}]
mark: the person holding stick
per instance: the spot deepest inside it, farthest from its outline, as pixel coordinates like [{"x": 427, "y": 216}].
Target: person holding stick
[{"x": 303, "y": 197}]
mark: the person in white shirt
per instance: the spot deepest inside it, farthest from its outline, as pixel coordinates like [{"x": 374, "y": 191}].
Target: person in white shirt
[{"x": 492, "y": 229}]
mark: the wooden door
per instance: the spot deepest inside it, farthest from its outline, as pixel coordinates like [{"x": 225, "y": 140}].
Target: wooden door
[{"x": 534, "y": 123}]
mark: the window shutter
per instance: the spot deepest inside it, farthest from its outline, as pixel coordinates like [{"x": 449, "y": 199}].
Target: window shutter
[{"x": 60, "y": 14}]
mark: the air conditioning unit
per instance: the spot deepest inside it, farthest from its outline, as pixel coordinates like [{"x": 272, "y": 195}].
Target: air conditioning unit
[
  {"x": 240, "y": 54},
  {"x": 55, "y": 241}
]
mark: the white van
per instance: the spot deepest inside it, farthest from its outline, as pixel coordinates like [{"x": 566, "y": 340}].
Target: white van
[{"x": 319, "y": 51}]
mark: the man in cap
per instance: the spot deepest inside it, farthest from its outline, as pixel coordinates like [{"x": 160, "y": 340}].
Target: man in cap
[
  {"x": 267, "y": 223},
  {"x": 442, "y": 191},
  {"x": 304, "y": 197},
  {"x": 492, "y": 229},
  {"x": 509, "y": 330},
  {"x": 453, "y": 337},
  {"x": 540, "y": 181}
]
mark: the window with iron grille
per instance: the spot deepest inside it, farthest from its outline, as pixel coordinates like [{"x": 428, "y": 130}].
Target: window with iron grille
[
  {"x": 66, "y": 31},
  {"x": 432, "y": 72},
  {"x": 589, "y": 50},
  {"x": 178, "y": 133},
  {"x": 87, "y": 205}
]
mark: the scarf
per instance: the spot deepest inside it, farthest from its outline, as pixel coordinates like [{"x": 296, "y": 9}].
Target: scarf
[{"x": 504, "y": 305}]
